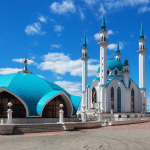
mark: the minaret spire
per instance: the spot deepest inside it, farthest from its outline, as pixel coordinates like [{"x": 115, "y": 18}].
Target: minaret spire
[
  {"x": 118, "y": 55},
  {"x": 103, "y": 27},
  {"x": 84, "y": 41},
  {"x": 25, "y": 61},
  {"x": 141, "y": 32}
]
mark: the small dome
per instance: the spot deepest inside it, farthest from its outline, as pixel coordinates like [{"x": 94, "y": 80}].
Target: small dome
[
  {"x": 112, "y": 64},
  {"x": 126, "y": 63}
]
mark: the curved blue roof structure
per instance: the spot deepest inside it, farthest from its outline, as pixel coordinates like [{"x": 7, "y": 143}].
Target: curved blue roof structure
[
  {"x": 35, "y": 91},
  {"x": 112, "y": 64}
]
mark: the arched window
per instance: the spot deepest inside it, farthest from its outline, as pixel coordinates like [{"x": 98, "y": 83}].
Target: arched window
[
  {"x": 119, "y": 99},
  {"x": 52, "y": 108},
  {"x": 107, "y": 72},
  {"x": 112, "y": 98},
  {"x": 143, "y": 46},
  {"x": 116, "y": 72},
  {"x": 102, "y": 38},
  {"x": 94, "y": 95},
  {"x": 132, "y": 100},
  {"x": 18, "y": 108}
]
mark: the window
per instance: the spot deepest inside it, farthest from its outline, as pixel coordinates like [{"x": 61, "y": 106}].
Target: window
[
  {"x": 94, "y": 95},
  {"x": 119, "y": 99},
  {"x": 143, "y": 46},
  {"x": 107, "y": 72},
  {"x": 112, "y": 98},
  {"x": 116, "y": 72},
  {"x": 132, "y": 100}
]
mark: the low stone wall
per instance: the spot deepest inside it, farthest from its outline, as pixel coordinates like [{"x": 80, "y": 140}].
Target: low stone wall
[
  {"x": 39, "y": 120},
  {"x": 85, "y": 125},
  {"x": 6, "y": 129},
  {"x": 114, "y": 123}
]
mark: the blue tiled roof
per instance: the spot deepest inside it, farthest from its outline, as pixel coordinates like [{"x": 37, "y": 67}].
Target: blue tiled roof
[
  {"x": 112, "y": 64},
  {"x": 34, "y": 91}
]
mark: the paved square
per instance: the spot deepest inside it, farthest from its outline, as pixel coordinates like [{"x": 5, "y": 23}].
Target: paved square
[{"x": 125, "y": 137}]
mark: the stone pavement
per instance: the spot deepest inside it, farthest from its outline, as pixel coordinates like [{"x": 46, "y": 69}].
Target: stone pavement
[{"x": 123, "y": 137}]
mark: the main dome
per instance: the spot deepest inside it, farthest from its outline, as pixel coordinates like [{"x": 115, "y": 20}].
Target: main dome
[
  {"x": 35, "y": 91},
  {"x": 112, "y": 64}
]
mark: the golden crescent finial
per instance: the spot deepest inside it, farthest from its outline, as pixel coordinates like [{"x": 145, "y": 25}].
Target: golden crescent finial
[
  {"x": 103, "y": 11},
  {"x": 85, "y": 32},
  {"x": 141, "y": 23}
]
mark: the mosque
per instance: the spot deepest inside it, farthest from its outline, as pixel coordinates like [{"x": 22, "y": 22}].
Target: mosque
[
  {"x": 112, "y": 89},
  {"x": 33, "y": 96}
]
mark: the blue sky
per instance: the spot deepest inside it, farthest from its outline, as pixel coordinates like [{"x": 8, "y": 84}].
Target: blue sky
[{"x": 52, "y": 34}]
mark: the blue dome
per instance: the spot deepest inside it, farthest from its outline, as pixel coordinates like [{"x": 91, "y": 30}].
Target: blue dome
[
  {"x": 35, "y": 91},
  {"x": 126, "y": 63},
  {"x": 112, "y": 64}
]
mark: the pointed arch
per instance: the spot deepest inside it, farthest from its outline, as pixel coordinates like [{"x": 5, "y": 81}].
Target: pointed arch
[
  {"x": 19, "y": 108},
  {"x": 116, "y": 72},
  {"x": 119, "y": 99},
  {"x": 132, "y": 100},
  {"x": 94, "y": 95},
  {"x": 112, "y": 98}
]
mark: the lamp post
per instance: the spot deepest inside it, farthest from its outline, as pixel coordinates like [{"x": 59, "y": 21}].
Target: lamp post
[
  {"x": 61, "y": 113},
  {"x": 84, "y": 114},
  {"x": 9, "y": 113}
]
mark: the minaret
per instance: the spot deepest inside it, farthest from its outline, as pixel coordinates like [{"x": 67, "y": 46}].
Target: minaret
[
  {"x": 126, "y": 73},
  {"x": 141, "y": 53},
  {"x": 118, "y": 55},
  {"x": 84, "y": 59},
  {"x": 103, "y": 43}
]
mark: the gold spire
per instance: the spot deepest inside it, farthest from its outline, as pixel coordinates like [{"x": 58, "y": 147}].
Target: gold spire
[
  {"x": 118, "y": 39},
  {"x": 25, "y": 61},
  {"x": 141, "y": 23},
  {"x": 103, "y": 11},
  {"x": 85, "y": 32}
]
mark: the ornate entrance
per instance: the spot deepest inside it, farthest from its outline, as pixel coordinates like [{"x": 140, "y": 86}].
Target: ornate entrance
[
  {"x": 51, "y": 110},
  {"x": 17, "y": 108}
]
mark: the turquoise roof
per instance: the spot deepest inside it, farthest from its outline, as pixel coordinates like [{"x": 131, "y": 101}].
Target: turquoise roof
[
  {"x": 84, "y": 42},
  {"x": 118, "y": 50},
  {"x": 103, "y": 27},
  {"x": 141, "y": 34},
  {"x": 112, "y": 64},
  {"x": 34, "y": 91}
]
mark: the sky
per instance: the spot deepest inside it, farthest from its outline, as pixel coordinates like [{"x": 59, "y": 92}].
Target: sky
[{"x": 52, "y": 33}]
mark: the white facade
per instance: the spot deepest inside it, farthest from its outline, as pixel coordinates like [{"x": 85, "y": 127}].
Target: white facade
[{"x": 112, "y": 86}]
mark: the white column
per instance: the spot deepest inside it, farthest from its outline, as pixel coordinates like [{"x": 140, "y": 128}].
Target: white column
[
  {"x": 9, "y": 116},
  {"x": 61, "y": 116}
]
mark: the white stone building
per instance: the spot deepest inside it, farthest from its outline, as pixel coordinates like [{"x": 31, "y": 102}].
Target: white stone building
[{"x": 112, "y": 86}]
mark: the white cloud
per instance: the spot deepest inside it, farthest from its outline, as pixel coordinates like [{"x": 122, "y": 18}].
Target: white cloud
[
  {"x": 62, "y": 64},
  {"x": 144, "y": 9},
  {"x": 58, "y": 77},
  {"x": 110, "y": 32},
  {"x": 52, "y": 20},
  {"x": 113, "y": 4},
  {"x": 42, "y": 19},
  {"x": 58, "y": 28},
  {"x": 55, "y": 46},
  {"x": 21, "y": 60},
  {"x": 41, "y": 76},
  {"x": 34, "y": 29},
  {"x": 114, "y": 46},
  {"x": 74, "y": 88},
  {"x": 82, "y": 16},
  {"x": 4, "y": 71},
  {"x": 90, "y": 2},
  {"x": 97, "y": 35},
  {"x": 65, "y": 7}
]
